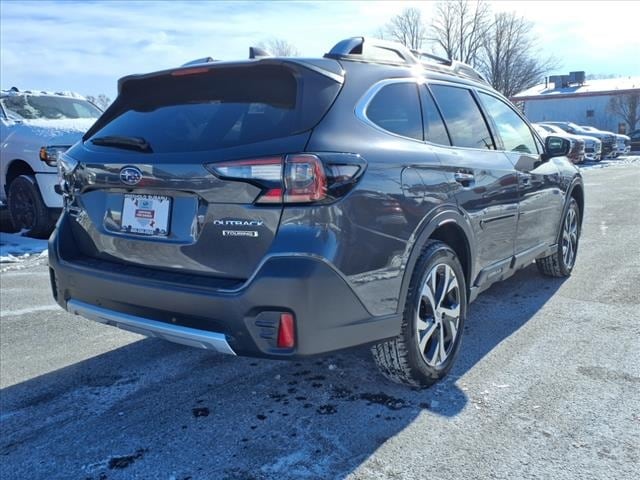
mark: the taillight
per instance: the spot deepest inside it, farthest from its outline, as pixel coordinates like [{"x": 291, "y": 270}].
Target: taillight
[
  {"x": 295, "y": 178},
  {"x": 304, "y": 179},
  {"x": 256, "y": 169}
]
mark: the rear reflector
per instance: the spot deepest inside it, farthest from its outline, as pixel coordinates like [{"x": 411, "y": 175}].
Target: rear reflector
[{"x": 286, "y": 331}]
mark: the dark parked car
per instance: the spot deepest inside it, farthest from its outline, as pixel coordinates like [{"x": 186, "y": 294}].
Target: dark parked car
[
  {"x": 635, "y": 141},
  {"x": 284, "y": 207},
  {"x": 608, "y": 139}
]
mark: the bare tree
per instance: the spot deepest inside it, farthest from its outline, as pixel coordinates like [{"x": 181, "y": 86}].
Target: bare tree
[
  {"x": 501, "y": 46},
  {"x": 627, "y": 107},
  {"x": 279, "y": 47},
  {"x": 459, "y": 27},
  {"x": 407, "y": 28},
  {"x": 509, "y": 59},
  {"x": 381, "y": 33},
  {"x": 101, "y": 101}
]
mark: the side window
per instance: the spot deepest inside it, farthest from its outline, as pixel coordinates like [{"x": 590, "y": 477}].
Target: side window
[
  {"x": 463, "y": 117},
  {"x": 434, "y": 129},
  {"x": 513, "y": 131},
  {"x": 396, "y": 108},
  {"x": 82, "y": 111}
]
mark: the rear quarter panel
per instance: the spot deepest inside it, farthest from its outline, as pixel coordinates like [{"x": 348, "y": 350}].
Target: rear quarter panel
[{"x": 369, "y": 234}]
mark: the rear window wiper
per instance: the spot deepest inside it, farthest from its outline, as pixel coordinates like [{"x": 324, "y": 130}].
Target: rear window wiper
[{"x": 130, "y": 143}]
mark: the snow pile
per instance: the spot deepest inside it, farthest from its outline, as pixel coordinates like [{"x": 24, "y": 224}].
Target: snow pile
[
  {"x": 52, "y": 128},
  {"x": 15, "y": 248},
  {"x": 36, "y": 93},
  {"x": 612, "y": 162},
  {"x": 68, "y": 124}
]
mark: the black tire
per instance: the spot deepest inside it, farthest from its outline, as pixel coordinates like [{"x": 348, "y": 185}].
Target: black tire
[
  {"x": 6, "y": 225},
  {"x": 27, "y": 209},
  {"x": 561, "y": 263},
  {"x": 401, "y": 359}
]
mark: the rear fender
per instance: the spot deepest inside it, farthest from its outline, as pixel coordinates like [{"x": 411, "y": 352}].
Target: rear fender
[{"x": 437, "y": 218}]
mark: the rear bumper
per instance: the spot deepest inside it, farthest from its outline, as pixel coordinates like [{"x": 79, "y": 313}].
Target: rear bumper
[
  {"x": 241, "y": 320},
  {"x": 152, "y": 328}
]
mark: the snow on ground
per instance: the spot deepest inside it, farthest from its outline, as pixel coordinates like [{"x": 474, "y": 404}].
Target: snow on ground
[
  {"x": 613, "y": 162},
  {"x": 15, "y": 248}
]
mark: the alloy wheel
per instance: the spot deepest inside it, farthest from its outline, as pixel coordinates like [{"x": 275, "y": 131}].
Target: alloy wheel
[
  {"x": 570, "y": 237},
  {"x": 438, "y": 315}
]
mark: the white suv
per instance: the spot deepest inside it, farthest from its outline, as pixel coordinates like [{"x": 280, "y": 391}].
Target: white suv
[{"x": 35, "y": 128}]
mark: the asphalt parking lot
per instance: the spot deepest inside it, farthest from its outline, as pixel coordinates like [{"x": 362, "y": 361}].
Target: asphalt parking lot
[{"x": 547, "y": 386}]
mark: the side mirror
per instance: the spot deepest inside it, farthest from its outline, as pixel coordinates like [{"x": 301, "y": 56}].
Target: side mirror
[{"x": 556, "y": 146}]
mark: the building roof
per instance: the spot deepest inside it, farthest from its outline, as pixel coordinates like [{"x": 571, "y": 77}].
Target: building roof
[{"x": 589, "y": 88}]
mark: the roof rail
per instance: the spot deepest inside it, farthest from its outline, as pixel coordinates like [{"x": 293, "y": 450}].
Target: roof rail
[
  {"x": 257, "y": 52},
  {"x": 467, "y": 70},
  {"x": 381, "y": 51},
  {"x": 431, "y": 56},
  {"x": 372, "y": 49},
  {"x": 198, "y": 61}
]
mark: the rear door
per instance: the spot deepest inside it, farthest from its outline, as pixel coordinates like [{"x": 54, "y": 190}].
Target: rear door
[
  {"x": 484, "y": 179},
  {"x": 539, "y": 182},
  {"x": 155, "y": 170}
]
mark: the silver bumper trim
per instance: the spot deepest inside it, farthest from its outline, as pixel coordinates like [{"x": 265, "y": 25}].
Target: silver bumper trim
[{"x": 152, "y": 328}]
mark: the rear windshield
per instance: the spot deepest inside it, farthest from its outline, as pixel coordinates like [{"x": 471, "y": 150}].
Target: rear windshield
[{"x": 223, "y": 107}]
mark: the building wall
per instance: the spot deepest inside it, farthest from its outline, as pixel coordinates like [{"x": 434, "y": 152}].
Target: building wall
[{"x": 573, "y": 109}]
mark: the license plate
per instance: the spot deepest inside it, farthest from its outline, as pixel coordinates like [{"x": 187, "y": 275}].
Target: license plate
[{"x": 146, "y": 214}]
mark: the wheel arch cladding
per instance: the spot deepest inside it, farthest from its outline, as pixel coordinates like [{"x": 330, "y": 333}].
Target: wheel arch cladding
[
  {"x": 578, "y": 194},
  {"x": 445, "y": 228},
  {"x": 16, "y": 168},
  {"x": 453, "y": 235}
]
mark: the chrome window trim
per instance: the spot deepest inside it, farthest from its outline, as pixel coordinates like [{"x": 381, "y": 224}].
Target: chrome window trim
[
  {"x": 363, "y": 103},
  {"x": 365, "y": 100}
]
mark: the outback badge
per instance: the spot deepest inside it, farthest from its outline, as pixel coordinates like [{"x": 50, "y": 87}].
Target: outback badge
[{"x": 239, "y": 222}]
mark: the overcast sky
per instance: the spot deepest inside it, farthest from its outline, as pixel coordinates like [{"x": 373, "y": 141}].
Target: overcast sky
[{"x": 86, "y": 46}]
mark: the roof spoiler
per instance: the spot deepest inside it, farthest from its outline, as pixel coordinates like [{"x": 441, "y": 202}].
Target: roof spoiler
[{"x": 199, "y": 61}]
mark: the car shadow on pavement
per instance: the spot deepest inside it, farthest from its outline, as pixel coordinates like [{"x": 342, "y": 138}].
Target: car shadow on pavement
[{"x": 156, "y": 410}]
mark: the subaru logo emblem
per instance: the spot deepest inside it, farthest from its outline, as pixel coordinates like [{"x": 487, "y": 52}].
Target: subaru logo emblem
[{"x": 130, "y": 175}]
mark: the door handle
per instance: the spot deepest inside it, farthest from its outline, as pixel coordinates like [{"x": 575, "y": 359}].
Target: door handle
[{"x": 465, "y": 179}]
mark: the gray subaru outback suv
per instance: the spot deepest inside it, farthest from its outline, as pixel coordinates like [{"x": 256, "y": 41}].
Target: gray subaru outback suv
[{"x": 285, "y": 207}]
